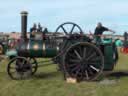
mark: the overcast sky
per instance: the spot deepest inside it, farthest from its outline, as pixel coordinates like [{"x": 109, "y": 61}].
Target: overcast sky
[{"x": 51, "y": 13}]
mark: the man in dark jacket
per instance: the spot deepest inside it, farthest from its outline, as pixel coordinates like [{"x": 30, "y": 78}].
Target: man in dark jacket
[{"x": 99, "y": 31}]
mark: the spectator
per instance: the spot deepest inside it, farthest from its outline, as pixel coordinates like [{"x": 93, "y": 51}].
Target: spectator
[{"x": 125, "y": 36}]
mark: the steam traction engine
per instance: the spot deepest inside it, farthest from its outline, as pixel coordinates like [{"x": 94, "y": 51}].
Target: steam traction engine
[{"x": 75, "y": 53}]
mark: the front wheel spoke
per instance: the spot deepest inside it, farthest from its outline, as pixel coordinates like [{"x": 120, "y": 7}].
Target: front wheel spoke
[
  {"x": 15, "y": 75},
  {"x": 34, "y": 66},
  {"x": 18, "y": 63},
  {"x": 94, "y": 68},
  {"x": 13, "y": 72},
  {"x": 33, "y": 63},
  {"x": 21, "y": 75},
  {"x": 12, "y": 67},
  {"x": 77, "y": 54}
]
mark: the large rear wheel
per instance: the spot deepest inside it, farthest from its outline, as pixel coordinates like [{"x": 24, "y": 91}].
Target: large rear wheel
[{"x": 83, "y": 61}]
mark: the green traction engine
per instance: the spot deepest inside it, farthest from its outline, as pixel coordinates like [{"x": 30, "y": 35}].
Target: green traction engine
[{"x": 76, "y": 54}]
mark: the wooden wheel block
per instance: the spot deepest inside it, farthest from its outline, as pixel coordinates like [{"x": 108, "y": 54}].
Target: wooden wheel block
[{"x": 71, "y": 80}]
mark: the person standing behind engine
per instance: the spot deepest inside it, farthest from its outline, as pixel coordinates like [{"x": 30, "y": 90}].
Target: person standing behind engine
[
  {"x": 99, "y": 31},
  {"x": 39, "y": 28},
  {"x": 33, "y": 30},
  {"x": 125, "y": 36}
]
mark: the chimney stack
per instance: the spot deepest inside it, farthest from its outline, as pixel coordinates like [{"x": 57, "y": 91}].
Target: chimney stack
[{"x": 24, "y": 24}]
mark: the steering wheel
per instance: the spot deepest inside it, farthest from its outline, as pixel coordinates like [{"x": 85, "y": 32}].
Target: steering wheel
[{"x": 72, "y": 26}]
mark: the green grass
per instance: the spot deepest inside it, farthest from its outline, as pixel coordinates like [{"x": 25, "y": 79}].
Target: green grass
[{"x": 49, "y": 82}]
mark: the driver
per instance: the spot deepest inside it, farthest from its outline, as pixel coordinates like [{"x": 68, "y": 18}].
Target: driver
[{"x": 99, "y": 31}]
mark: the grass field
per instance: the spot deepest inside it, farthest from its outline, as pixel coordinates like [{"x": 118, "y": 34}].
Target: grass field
[{"x": 49, "y": 82}]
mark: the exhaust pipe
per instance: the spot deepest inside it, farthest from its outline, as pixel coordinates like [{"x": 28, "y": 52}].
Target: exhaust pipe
[{"x": 24, "y": 25}]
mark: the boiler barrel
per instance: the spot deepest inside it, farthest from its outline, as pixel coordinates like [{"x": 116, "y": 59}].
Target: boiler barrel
[{"x": 38, "y": 48}]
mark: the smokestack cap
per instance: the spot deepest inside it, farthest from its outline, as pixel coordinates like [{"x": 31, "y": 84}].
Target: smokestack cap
[{"x": 24, "y": 13}]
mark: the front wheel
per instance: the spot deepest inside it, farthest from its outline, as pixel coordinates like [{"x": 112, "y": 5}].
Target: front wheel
[{"x": 19, "y": 68}]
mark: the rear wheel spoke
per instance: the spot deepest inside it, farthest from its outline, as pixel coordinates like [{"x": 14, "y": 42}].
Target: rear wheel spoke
[
  {"x": 87, "y": 76},
  {"x": 84, "y": 53},
  {"x": 74, "y": 60},
  {"x": 77, "y": 54},
  {"x": 94, "y": 68},
  {"x": 80, "y": 50},
  {"x": 75, "y": 68},
  {"x": 91, "y": 56},
  {"x": 73, "y": 56},
  {"x": 71, "y": 65}
]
